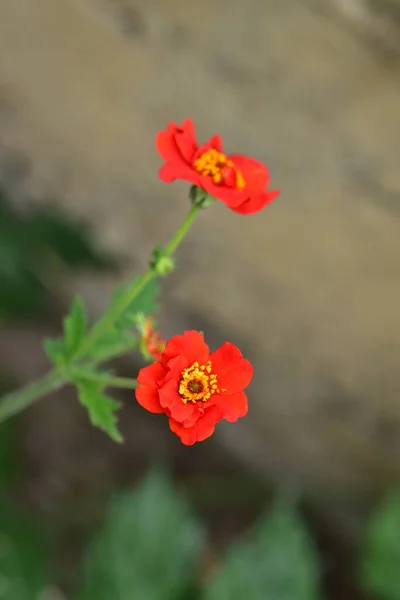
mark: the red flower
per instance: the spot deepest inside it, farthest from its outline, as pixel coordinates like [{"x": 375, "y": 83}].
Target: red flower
[
  {"x": 238, "y": 181},
  {"x": 194, "y": 388},
  {"x": 153, "y": 343}
]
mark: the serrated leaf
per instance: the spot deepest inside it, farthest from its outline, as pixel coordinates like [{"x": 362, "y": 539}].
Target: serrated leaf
[
  {"x": 148, "y": 549},
  {"x": 21, "y": 556},
  {"x": 112, "y": 344},
  {"x": 144, "y": 303},
  {"x": 55, "y": 350},
  {"x": 74, "y": 327},
  {"x": 279, "y": 563},
  {"x": 101, "y": 408},
  {"x": 380, "y": 557}
]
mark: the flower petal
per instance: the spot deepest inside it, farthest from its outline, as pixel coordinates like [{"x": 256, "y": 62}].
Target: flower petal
[
  {"x": 166, "y": 146},
  {"x": 147, "y": 391},
  {"x": 203, "y": 428},
  {"x": 190, "y": 345},
  {"x": 255, "y": 202},
  {"x": 214, "y": 143},
  {"x": 171, "y": 401},
  {"x": 256, "y": 175},
  {"x": 185, "y": 138},
  {"x": 230, "y": 196},
  {"x": 233, "y": 372},
  {"x": 233, "y": 406}
]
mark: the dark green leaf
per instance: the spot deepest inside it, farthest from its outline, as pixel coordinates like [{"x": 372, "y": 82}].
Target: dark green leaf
[
  {"x": 149, "y": 548},
  {"x": 74, "y": 327},
  {"x": 279, "y": 563},
  {"x": 69, "y": 240},
  {"x": 9, "y": 454},
  {"x": 380, "y": 558},
  {"x": 21, "y": 557},
  {"x": 100, "y": 407}
]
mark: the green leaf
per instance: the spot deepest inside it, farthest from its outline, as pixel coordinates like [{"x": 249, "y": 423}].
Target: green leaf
[
  {"x": 279, "y": 563},
  {"x": 149, "y": 548},
  {"x": 55, "y": 350},
  {"x": 74, "y": 327},
  {"x": 21, "y": 556},
  {"x": 112, "y": 344},
  {"x": 144, "y": 303},
  {"x": 100, "y": 407},
  {"x": 61, "y": 350},
  {"x": 380, "y": 558}
]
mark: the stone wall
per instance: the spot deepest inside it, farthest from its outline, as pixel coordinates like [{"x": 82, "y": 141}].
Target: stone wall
[{"x": 309, "y": 288}]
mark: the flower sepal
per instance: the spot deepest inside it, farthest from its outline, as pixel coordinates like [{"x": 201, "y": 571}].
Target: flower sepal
[
  {"x": 199, "y": 197},
  {"x": 160, "y": 263}
]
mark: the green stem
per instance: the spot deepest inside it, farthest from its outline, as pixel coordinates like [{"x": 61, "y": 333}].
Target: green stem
[
  {"x": 77, "y": 373},
  {"x": 109, "y": 318},
  {"x": 121, "y": 382},
  {"x": 15, "y": 402}
]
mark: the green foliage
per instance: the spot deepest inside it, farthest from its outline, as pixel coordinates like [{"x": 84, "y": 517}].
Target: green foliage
[
  {"x": 113, "y": 343},
  {"x": 145, "y": 303},
  {"x": 278, "y": 563},
  {"x": 21, "y": 551},
  {"x": 21, "y": 556},
  {"x": 62, "y": 351},
  {"x": 380, "y": 556},
  {"x": 148, "y": 549},
  {"x": 101, "y": 408},
  {"x": 34, "y": 248}
]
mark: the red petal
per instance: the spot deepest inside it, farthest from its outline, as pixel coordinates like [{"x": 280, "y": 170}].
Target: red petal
[
  {"x": 203, "y": 429},
  {"x": 230, "y": 196},
  {"x": 166, "y": 146},
  {"x": 191, "y": 345},
  {"x": 152, "y": 374},
  {"x": 233, "y": 371},
  {"x": 256, "y": 175},
  {"x": 185, "y": 139},
  {"x": 215, "y": 143},
  {"x": 147, "y": 391},
  {"x": 177, "y": 170},
  {"x": 255, "y": 203},
  {"x": 233, "y": 407},
  {"x": 178, "y": 410}
]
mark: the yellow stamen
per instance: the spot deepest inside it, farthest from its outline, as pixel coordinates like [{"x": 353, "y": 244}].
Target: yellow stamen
[
  {"x": 198, "y": 383},
  {"x": 212, "y": 163}
]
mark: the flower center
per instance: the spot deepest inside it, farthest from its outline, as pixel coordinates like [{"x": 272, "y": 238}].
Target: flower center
[
  {"x": 197, "y": 383},
  {"x": 216, "y": 165}
]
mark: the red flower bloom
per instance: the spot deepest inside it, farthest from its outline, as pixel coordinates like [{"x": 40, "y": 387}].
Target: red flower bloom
[
  {"x": 153, "y": 343},
  {"x": 238, "y": 181},
  {"x": 194, "y": 388}
]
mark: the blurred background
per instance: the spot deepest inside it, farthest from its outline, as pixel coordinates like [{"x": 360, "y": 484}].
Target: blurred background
[{"x": 309, "y": 288}]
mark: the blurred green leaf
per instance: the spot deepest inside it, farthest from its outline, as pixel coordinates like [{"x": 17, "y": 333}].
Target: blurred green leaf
[
  {"x": 62, "y": 350},
  {"x": 55, "y": 351},
  {"x": 8, "y": 457},
  {"x": 380, "y": 554},
  {"x": 113, "y": 343},
  {"x": 149, "y": 548},
  {"x": 74, "y": 327},
  {"x": 21, "y": 556},
  {"x": 69, "y": 240},
  {"x": 100, "y": 407},
  {"x": 144, "y": 304},
  {"x": 278, "y": 563},
  {"x": 34, "y": 245}
]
